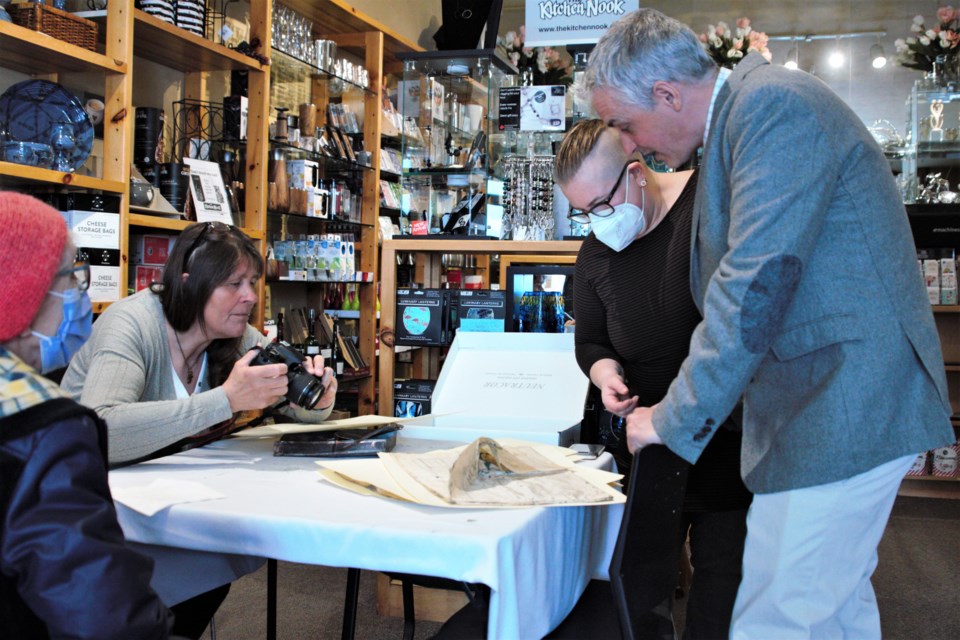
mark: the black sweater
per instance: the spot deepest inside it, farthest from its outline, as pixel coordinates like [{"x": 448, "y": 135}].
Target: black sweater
[{"x": 635, "y": 306}]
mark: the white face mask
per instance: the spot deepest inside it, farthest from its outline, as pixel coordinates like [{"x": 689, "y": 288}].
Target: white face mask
[{"x": 621, "y": 227}]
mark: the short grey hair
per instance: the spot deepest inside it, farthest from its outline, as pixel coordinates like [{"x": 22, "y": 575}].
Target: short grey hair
[{"x": 639, "y": 50}]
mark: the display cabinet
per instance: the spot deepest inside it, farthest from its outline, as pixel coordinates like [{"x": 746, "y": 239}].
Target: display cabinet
[
  {"x": 932, "y": 148},
  {"x": 449, "y": 102}
]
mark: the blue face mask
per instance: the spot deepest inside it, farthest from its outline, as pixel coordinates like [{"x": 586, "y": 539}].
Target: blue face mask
[{"x": 74, "y": 329}]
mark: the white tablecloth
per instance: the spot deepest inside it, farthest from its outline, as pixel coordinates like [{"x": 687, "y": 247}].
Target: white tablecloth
[{"x": 536, "y": 561}]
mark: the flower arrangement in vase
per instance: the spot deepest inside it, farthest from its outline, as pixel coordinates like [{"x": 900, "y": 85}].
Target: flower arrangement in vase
[
  {"x": 728, "y": 46},
  {"x": 927, "y": 45}
]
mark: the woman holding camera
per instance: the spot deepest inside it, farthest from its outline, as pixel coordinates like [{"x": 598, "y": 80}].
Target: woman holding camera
[{"x": 169, "y": 368}]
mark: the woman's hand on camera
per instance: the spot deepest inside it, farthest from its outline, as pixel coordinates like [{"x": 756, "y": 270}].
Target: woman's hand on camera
[
  {"x": 255, "y": 387},
  {"x": 314, "y": 366}
]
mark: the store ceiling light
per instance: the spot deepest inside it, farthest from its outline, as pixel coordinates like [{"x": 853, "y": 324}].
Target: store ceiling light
[
  {"x": 836, "y": 58},
  {"x": 877, "y": 56},
  {"x": 793, "y": 57}
]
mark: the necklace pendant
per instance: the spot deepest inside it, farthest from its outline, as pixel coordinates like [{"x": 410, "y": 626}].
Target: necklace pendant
[
  {"x": 189, "y": 376},
  {"x": 466, "y": 14}
]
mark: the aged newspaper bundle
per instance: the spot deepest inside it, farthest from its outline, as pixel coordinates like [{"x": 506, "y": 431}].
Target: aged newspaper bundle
[{"x": 485, "y": 473}]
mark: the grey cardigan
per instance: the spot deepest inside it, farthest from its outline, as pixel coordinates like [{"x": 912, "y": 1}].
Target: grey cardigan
[{"x": 124, "y": 373}]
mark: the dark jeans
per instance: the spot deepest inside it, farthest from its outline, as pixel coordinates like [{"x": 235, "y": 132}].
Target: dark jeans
[
  {"x": 192, "y": 616},
  {"x": 716, "y": 553}
]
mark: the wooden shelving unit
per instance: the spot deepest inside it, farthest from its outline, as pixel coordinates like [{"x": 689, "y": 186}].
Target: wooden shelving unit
[{"x": 429, "y": 252}]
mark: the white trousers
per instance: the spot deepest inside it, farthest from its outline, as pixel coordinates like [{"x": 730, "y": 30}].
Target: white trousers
[{"x": 809, "y": 555}]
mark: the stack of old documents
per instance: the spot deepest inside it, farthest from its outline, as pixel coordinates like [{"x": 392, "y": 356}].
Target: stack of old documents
[{"x": 485, "y": 473}]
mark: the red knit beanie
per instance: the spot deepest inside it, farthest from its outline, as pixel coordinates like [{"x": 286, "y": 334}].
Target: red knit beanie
[{"x": 32, "y": 238}]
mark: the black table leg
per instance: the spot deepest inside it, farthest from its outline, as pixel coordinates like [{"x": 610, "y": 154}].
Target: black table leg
[
  {"x": 271, "y": 599},
  {"x": 350, "y": 604}
]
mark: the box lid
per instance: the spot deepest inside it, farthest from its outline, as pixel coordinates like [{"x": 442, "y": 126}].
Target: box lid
[{"x": 530, "y": 378}]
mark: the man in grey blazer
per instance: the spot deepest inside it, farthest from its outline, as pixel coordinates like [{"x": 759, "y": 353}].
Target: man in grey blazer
[{"x": 803, "y": 265}]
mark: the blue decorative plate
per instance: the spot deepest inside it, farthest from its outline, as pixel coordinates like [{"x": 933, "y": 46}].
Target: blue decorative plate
[{"x": 30, "y": 109}]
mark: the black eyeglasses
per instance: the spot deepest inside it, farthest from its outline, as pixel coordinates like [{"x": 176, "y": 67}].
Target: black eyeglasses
[
  {"x": 603, "y": 208},
  {"x": 80, "y": 272},
  {"x": 207, "y": 226}
]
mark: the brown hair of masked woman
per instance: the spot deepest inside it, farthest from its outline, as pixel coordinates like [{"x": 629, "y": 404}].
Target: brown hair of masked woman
[
  {"x": 576, "y": 146},
  {"x": 210, "y": 253}
]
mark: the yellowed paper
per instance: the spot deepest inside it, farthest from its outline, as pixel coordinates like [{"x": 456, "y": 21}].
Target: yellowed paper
[{"x": 425, "y": 478}]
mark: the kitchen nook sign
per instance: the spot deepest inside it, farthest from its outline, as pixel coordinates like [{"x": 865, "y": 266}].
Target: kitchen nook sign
[{"x": 564, "y": 22}]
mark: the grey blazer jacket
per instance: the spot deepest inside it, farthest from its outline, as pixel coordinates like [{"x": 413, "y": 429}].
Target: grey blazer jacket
[{"x": 803, "y": 265}]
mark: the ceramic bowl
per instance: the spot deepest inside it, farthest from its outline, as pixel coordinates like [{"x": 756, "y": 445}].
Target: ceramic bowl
[{"x": 34, "y": 154}]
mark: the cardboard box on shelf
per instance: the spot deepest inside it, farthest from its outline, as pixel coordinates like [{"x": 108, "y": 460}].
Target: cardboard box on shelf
[
  {"x": 95, "y": 229},
  {"x": 151, "y": 249},
  {"x": 920, "y": 466},
  {"x": 525, "y": 386},
  {"x": 411, "y": 398},
  {"x": 944, "y": 461},
  {"x": 145, "y": 275}
]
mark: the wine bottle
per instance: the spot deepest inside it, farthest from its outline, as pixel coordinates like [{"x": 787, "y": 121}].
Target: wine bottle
[
  {"x": 336, "y": 356},
  {"x": 280, "y": 333},
  {"x": 312, "y": 345}
]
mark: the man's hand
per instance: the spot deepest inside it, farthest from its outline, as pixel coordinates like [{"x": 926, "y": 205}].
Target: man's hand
[{"x": 640, "y": 431}]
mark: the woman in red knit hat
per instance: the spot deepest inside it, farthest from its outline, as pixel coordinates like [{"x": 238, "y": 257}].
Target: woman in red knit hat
[{"x": 64, "y": 568}]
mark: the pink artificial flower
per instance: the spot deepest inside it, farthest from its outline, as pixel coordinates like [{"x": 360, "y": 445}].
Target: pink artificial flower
[
  {"x": 523, "y": 33},
  {"x": 758, "y": 40},
  {"x": 721, "y": 29},
  {"x": 737, "y": 44},
  {"x": 703, "y": 38},
  {"x": 743, "y": 23}
]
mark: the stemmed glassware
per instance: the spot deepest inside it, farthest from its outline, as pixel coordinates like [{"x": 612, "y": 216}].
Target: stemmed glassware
[{"x": 63, "y": 142}]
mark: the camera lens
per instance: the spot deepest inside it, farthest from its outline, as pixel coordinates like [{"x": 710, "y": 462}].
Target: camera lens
[{"x": 304, "y": 390}]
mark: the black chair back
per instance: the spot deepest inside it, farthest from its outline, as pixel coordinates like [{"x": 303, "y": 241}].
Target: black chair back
[{"x": 643, "y": 571}]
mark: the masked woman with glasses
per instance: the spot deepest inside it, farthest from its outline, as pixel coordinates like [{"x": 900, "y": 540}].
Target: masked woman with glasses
[
  {"x": 65, "y": 570},
  {"x": 169, "y": 367},
  {"x": 635, "y": 316}
]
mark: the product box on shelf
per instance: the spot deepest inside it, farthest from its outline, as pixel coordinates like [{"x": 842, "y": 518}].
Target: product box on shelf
[
  {"x": 944, "y": 461},
  {"x": 235, "y": 110},
  {"x": 411, "y": 398},
  {"x": 94, "y": 222},
  {"x": 481, "y": 310},
  {"x": 948, "y": 280},
  {"x": 151, "y": 249},
  {"x": 506, "y": 385},
  {"x": 422, "y": 317},
  {"x": 931, "y": 275},
  {"x": 920, "y": 466},
  {"x": 145, "y": 275},
  {"x": 301, "y": 173}
]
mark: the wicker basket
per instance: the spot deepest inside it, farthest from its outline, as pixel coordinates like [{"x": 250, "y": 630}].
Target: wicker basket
[{"x": 62, "y": 25}]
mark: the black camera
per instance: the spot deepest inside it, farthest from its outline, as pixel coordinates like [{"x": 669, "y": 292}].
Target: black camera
[{"x": 303, "y": 389}]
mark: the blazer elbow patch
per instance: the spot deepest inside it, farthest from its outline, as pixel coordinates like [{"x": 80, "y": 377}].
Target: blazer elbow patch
[{"x": 766, "y": 301}]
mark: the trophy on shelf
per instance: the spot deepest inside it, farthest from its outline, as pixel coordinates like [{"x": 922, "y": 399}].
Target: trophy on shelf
[{"x": 936, "y": 121}]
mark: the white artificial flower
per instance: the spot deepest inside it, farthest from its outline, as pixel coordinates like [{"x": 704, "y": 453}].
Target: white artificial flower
[{"x": 925, "y": 41}]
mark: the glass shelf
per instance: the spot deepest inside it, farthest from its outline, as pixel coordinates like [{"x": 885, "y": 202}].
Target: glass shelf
[
  {"x": 328, "y": 221},
  {"x": 336, "y": 164},
  {"x": 282, "y": 58}
]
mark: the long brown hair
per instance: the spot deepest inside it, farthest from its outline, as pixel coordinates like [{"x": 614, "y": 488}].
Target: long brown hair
[{"x": 210, "y": 252}]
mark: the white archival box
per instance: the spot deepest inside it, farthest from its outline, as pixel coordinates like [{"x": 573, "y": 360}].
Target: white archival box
[{"x": 525, "y": 386}]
